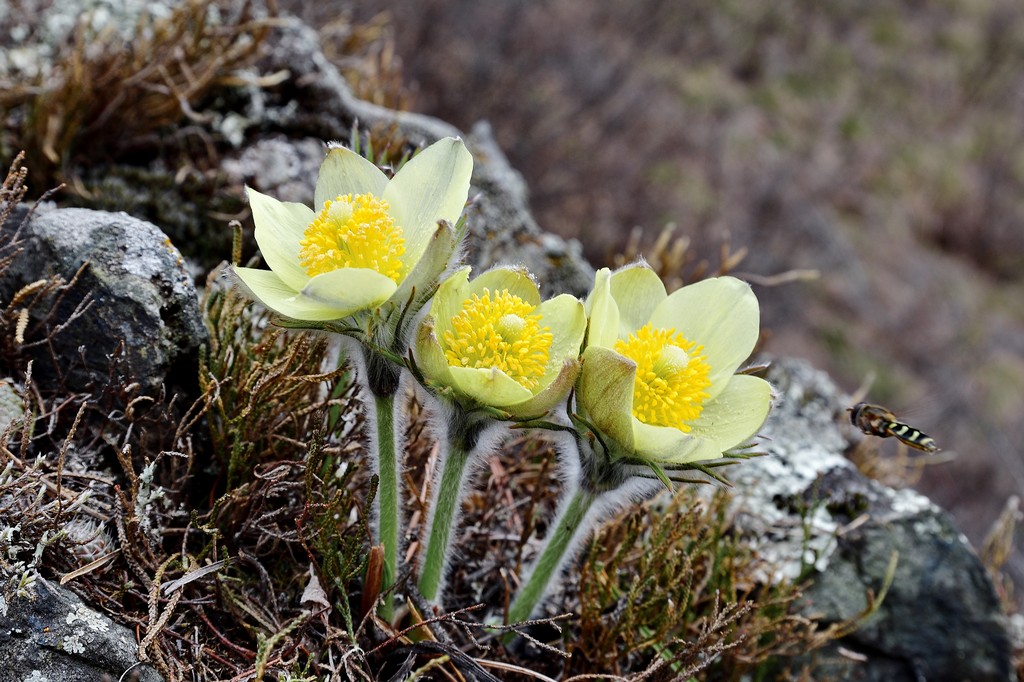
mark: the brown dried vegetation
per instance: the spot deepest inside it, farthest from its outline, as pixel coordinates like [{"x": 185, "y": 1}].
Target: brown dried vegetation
[{"x": 88, "y": 108}]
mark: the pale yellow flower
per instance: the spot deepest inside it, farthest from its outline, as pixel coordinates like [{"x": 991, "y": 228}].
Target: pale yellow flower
[
  {"x": 369, "y": 239},
  {"x": 659, "y": 370},
  {"x": 492, "y": 342}
]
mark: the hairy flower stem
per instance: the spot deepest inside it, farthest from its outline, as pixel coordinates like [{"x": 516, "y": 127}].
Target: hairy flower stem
[
  {"x": 387, "y": 492},
  {"x": 463, "y": 436},
  {"x": 382, "y": 382},
  {"x": 556, "y": 551}
]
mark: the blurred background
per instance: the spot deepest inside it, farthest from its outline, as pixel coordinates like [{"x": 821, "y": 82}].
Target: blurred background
[{"x": 878, "y": 143}]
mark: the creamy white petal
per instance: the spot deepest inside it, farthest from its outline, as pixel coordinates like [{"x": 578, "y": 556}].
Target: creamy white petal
[
  {"x": 270, "y": 290},
  {"x": 429, "y": 356},
  {"x": 433, "y": 185},
  {"x": 602, "y": 312},
  {"x": 447, "y": 302},
  {"x": 489, "y": 386},
  {"x": 516, "y": 279},
  {"x": 637, "y": 291},
  {"x": 672, "y": 446},
  {"x": 345, "y": 172},
  {"x": 430, "y": 267},
  {"x": 605, "y": 390},
  {"x": 350, "y": 289},
  {"x": 280, "y": 226},
  {"x": 552, "y": 393},
  {"x": 564, "y": 315},
  {"x": 720, "y": 314},
  {"x": 737, "y": 413}
]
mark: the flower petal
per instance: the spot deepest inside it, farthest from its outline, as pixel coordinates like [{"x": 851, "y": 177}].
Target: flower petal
[
  {"x": 516, "y": 279},
  {"x": 605, "y": 391},
  {"x": 345, "y": 172},
  {"x": 429, "y": 356},
  {"x": 274, "y": 293},
  {"x": 350, "y": 289},
  {"x": 433, "y": 185},
  {"x": 421, "y": 284},
  {"x": 637, "y": 291},
  {"x": 568, "y": 322},
  {"x": 447, "y": 302},
  {"x": 551, "y": 395},
  {"x": 489, "y": 386},
  {"x": 279, "y": 227},
  {"x": 602, "y": 312},
  {"x": 672, "y": 446},
  {"x": 720, "y": 314},
  {"x": 737, "y": 413}
]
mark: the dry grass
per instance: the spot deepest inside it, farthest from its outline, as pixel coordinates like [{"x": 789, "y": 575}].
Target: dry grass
[{"x": 107, "y": 96}]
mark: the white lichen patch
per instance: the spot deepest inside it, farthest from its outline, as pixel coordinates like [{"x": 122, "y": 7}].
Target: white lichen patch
[
  {"x": 909, "y": 502},
  {"x": 1015, "y": 627},
  {"x": 89, "y": 618},
  {"x": 36, "y": 676},
  {"x": 73, "y": 644},
  {"x": 775, "y": 507},
  {"x": 12, "y": 404},
  {"x": 928, "y": 526}
]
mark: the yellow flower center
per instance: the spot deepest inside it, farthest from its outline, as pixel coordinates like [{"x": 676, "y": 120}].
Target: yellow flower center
[
  {"x": 353, "y": 232},
  {"x": 671, "y": 375},
  {"x": 499, "y": 331}
]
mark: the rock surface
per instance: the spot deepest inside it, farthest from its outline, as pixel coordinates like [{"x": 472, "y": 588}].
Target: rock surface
[
  {"x": 811, "y": 514},
  {"x": 52, "y": 636},
  {"x": 137, "y": 290}
]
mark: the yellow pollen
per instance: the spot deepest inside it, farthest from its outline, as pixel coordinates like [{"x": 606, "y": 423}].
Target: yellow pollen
[
  {"x": 499, "y": 331},
  {"x": 353, "y": 232},
  {"x": 671, "y": 375}
]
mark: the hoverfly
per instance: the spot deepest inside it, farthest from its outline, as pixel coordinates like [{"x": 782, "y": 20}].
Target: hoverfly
[{"x": 875, "y": 420}]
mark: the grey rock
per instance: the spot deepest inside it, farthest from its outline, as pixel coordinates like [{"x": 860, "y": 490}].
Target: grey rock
[
  {"x": 140, "y": 291},
  {"x": 810, "y": 513},
  {"x": 283, "y": 168},
  {"x": 52, "y": 636},
  {"x": 321, "y": 102}
]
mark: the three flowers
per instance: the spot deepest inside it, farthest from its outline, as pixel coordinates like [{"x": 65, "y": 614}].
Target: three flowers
[{"x": 645, "y": 376}]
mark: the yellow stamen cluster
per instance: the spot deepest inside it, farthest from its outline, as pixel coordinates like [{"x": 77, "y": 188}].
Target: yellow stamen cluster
[
  {"x": 671, "y": 376},
  {"x": 353, "y": 232},
  {"x": 499, "y": 331}
]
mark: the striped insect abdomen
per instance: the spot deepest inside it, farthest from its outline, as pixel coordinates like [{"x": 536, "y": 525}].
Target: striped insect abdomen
[{"x": 911, "y": 436}]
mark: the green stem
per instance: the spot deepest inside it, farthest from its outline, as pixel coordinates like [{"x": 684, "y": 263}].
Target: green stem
[
  {"x": 446, "y": 507},
  {"x": 387, "y": 493},
  {"x": 555, "y": 547}
]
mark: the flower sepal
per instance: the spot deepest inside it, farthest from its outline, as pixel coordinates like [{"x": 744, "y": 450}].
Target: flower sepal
[
  {"x": 421, "y": 284},
  {"x": 607, "y": 464}
]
